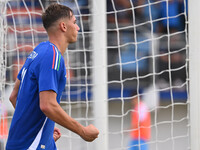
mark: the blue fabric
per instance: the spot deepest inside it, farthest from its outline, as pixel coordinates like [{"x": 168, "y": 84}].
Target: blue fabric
[
  {"x": 36, "y": 75},
  {"x": 138, "y": 145}
]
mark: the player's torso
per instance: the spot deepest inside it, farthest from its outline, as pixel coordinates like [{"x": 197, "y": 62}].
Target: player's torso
[{"x": 28, "y": 120}]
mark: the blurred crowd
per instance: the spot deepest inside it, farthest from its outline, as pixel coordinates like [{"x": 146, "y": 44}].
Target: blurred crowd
[
  {"x": 138, "y": 29},
  {"x": 141, "y": 34}
]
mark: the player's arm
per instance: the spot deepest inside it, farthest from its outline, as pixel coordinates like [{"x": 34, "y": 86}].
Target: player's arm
[
  {"x": 13, "y": 96},
  {"x": 51, "y": 108}
]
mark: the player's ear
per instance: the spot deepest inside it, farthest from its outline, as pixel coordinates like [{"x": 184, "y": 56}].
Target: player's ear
[{"x": 63, "y": 26}]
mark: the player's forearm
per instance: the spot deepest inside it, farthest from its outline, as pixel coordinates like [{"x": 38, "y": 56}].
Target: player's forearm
[
  {"x": 52, "y": 110},
  {"x": 58, "y": 115}
]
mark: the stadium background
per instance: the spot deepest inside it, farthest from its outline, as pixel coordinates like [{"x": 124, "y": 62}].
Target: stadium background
[{"x": 171, "y": 103}]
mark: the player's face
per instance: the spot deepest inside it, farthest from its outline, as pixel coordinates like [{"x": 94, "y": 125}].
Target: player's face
[{"x": 72, "y": 29}]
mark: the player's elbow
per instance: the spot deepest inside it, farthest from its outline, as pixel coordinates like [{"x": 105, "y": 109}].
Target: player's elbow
[
  {"x": 48, "y": 102},
  {"x": 12, "y": 98},
  {"x": 45, "y": 108}
]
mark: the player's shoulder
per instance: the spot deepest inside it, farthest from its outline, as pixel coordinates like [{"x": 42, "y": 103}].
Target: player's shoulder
[
  {"x": 50, "y": 54},
  {"x": 45, "y": 50},
  {"x": 42, "y": 47},
  {"x": 58, "y": 60}
]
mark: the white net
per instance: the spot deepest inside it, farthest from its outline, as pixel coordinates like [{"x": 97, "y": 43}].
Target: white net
[
  {"x": 147, "y": 55},
  {"x": 148, "y": 39},
  {"x": 3, "y": 115},
  {"x": 2, "y": 48}
]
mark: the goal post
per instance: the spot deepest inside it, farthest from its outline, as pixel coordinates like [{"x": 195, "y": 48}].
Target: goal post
[
  {"x": 194, "y": 70},
  {"x": 100, "y": 89}
]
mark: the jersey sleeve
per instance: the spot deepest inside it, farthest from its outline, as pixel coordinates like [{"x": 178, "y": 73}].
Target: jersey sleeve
[{"x": 49, "y": 71}]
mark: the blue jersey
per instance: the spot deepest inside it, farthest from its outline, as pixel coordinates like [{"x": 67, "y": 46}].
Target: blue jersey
[{"x": 43, "y": 70}]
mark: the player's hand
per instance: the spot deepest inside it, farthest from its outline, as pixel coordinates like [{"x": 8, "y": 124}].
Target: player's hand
[
  {"x": 56, "y": 134},
  {"x": 90, "y": 133}
]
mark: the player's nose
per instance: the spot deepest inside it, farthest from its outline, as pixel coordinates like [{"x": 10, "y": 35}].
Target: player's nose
[{"x": 77, "y": 28}]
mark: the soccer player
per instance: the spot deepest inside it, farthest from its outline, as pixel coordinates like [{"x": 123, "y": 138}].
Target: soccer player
[{"x": 39, "y": 85}]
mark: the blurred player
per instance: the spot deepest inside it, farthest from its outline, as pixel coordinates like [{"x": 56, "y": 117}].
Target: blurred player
[
  {"x": 140, "y": 124},
  {"x": 39, "y": 85}
]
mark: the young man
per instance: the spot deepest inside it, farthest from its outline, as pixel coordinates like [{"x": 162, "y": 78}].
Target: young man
[{"x": 37, "y": 91}]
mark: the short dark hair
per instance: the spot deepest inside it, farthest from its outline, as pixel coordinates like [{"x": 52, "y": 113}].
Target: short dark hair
[{"x": 53, "y": 13}]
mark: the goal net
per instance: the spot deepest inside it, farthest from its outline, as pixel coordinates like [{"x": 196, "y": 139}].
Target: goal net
[{"x": 127, "y": 73}]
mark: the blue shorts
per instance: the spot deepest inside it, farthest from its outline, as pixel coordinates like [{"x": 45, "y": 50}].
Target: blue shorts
[{"x": 138, "y": 145}]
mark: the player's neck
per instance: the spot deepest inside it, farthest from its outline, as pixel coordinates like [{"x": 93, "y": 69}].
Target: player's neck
[{"x": 60, "y": 43}]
